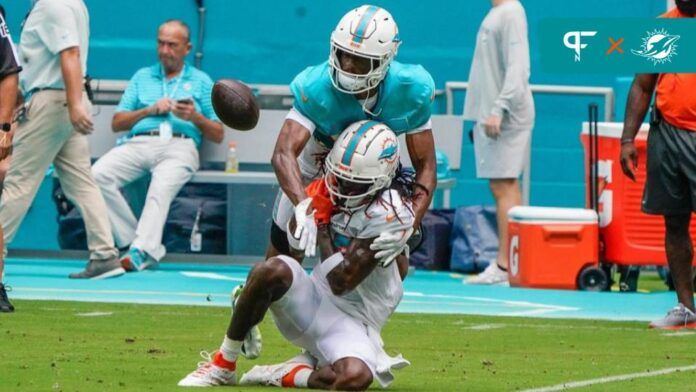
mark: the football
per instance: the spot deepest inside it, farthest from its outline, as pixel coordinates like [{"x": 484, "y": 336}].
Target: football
[{"x": 235, "y": 105}]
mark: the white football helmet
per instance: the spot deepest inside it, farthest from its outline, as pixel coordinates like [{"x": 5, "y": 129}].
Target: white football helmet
[
  {"x": 369, "y": 32},
  {"x": 363, "y": 161}
]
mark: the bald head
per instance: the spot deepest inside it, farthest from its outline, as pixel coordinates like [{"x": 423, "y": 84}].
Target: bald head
[
  {"x": 173, "y": 45},
  {"x": 177, "y": 26}
]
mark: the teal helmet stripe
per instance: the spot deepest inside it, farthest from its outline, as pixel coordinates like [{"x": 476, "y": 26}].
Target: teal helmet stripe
[
  {"x": 353, "y": 143},
  {"x": 360, "y": 31}
]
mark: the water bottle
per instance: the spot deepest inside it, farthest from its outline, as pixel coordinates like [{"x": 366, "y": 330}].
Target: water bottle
[
  {"x": 196, "y": 236},
  {"x": 232, "y": 164}
]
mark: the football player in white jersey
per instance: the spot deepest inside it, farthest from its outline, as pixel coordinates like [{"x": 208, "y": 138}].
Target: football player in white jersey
[{"x": 336, "y": 313}]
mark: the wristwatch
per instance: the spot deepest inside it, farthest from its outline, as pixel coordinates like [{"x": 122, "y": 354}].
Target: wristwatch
[{"x": 6, "y": 127}]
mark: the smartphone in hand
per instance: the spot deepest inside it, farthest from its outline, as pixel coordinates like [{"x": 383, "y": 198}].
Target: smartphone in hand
[{"x": 186, "y": 101}]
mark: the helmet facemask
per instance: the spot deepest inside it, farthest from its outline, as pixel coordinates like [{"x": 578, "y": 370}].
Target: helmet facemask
[{"x": 351, "y": 83}]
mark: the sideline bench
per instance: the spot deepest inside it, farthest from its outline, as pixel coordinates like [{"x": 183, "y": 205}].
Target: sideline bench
[{"x": 251, "y": 194}]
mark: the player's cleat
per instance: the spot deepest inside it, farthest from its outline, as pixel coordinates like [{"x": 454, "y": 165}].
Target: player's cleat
[
  {"x": 100, "y": 269},
  {"x": 212, "y": 372},
  {"x": 137, "y": 260},
  {"x": 491, "y": 275},
  {"x": 679, "y": 317},
  {"x": 251, "y": 347},
  {"x": 280, "y": 375},
  {"x": 5, "y": 305}
]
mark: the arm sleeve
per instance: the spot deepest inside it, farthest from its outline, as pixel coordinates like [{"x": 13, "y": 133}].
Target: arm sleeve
[
  {"x": 515, "y": 54},
  {"x": 129, "y": 99},
  {"x": 428, "y": 125},
  {"x": 59, "y": 30},
  {"x": 295, "y": 115},
  {"x": 206, "y": 100},
  {"x": 9, "y": 62}
]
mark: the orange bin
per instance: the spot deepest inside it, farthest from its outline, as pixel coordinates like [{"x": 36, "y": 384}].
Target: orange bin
[
  {"x": 629, "y": 237},
  {"x": 550, "y": 246}
]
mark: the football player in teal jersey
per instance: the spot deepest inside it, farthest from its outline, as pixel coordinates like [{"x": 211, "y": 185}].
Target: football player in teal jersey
[{"x": 359, "y": 81}]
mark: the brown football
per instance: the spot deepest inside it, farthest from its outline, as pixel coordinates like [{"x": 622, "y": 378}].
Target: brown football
[{"x": 235, "y": 105}]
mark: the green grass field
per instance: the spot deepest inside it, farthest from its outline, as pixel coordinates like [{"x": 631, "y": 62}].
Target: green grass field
[{"x": 54, "y": 346}]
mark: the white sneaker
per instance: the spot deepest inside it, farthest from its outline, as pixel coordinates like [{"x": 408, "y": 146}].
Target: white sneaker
[
  {"x": 274, "y": 375},
  {"x": 251, "y": 347},
  {"x": 491, "y": 275},
  {"x": 209, "y": 374}
]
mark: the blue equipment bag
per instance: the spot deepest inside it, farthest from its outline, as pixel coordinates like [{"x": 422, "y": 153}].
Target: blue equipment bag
[
  {"x": 434, "y": 251},
  {"x": 474, "y": 238}
]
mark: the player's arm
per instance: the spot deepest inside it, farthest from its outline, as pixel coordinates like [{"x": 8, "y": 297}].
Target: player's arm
[
  {"x": 421, "y": 149},
  {"x": 325, "y": 242},
  {"x": 636, "y": 106},
  {"x": 358, "y": 262},
  {"x": 291, "y": 140}
]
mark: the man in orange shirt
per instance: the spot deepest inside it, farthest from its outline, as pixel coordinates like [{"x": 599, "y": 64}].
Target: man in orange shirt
[{"x": 670, "y": 187}]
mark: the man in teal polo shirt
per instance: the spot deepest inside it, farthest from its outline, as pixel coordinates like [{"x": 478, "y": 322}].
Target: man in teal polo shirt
[{"x": 167, "y": 110}]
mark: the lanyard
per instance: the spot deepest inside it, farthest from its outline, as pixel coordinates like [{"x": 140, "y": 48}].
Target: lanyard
[{"x": 176, "y": 86}]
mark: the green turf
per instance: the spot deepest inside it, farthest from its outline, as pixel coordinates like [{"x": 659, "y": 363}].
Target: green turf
[{"x": 47, "y": 346}]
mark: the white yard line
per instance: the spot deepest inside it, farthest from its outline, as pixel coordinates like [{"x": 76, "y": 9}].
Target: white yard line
[
  {"x": 94, "y": 314},
  {"x": 210, "y": 275},
  {"x": 514, "y": 304},
  {"x": 20, "y": 290},
  {"x": 605, "y": 380}
]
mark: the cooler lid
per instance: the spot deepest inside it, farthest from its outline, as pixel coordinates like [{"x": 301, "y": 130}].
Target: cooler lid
[
  {"x": 552, "y": 214},
  {"x": 611, "y": 129}
]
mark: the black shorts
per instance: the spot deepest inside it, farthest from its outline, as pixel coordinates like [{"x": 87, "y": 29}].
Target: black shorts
[{"x": 670, "y": 185}]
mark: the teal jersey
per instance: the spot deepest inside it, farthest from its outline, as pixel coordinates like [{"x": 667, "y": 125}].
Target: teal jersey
[{"x": 403, "y": 102}]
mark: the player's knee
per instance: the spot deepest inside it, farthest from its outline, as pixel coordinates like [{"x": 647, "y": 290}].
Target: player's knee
[
  {"x": 272, "y": 273},
  {"x": 353, "y": 376}
]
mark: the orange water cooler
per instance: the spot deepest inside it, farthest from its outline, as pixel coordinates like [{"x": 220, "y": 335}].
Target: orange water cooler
[
  {"x": 552, "y": 247},
  {"x": 628, "y": 236}
]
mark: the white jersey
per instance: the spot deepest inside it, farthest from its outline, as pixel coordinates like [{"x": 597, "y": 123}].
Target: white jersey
[{"x": 376, "y": 297}]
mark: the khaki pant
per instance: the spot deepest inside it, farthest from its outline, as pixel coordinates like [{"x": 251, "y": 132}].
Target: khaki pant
[{"x": 45, "y": 137}]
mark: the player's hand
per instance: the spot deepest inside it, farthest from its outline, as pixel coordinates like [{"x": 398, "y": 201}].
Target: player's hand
[
  {"x": 81, "y": 119},
  {"x": 492, "y": 126},
  {"x": 163, "y": 106},
  {"x": 306, "y": 227},
  {"x": 629, "y": 160},
  {"x": 390, "y": 244},
  {"x": 184, "y": 110}
]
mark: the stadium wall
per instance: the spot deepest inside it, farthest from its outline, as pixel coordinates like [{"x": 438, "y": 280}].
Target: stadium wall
[{"x": 269, "y": 41}]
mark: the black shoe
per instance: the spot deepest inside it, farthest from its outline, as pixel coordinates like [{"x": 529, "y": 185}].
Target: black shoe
[
  {"x": 5, "y": 305},
  {"x": 100, "y": 269}
]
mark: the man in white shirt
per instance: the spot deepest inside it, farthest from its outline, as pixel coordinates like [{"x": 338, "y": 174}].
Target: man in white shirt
[
  {"x": 500, "y": 100},
  {"x": 53, "y": 48}
]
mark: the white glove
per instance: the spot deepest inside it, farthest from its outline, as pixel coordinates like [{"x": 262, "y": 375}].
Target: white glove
[
  {"x": 390, "y": 244},
  {"x": 305, "y": 227}
]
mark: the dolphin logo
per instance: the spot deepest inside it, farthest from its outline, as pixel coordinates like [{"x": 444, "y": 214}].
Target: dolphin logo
[
  {"x": 658, "y": 46},
  {"x": 388, "y": 152}
]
